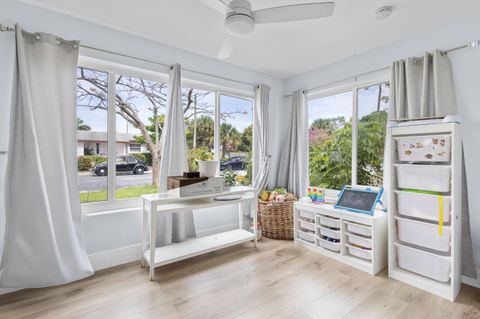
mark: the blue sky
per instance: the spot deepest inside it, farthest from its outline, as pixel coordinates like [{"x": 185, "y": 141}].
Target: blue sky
[{"x": 341, "y": 104}]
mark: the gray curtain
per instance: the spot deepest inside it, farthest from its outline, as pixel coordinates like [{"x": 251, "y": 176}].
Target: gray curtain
[
  {"x": 261, "y": 129},
  {"x": 293, "y": 169},
  {"x": 424, "y": 87},
  {"x": 43, "y": 240},
  {"x": 179, "y": 226}
]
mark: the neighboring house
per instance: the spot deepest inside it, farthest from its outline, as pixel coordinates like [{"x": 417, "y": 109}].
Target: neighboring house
[{"x": 96, "y": 143}]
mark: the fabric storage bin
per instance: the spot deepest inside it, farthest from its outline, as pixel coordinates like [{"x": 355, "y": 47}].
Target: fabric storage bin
[
  {"x": 359, "y": 229},
  {"x": 329, "y": 245},
  {"x": 360, "y": 241},
  {"x": 423, "y": 234},
  {"x": 423, "y": 206},
  {"x": 306, "y": 225},
  {"x": 425, "y": 177},
  {"x": 330, "y": 221},
  {"x": 307, "y": 215},
  {"x": 309, "y": 237},
  {"x": 359, "y": 252},
  {"x": 424, "y": 263},
  {"x": 329, "y": 233},
  {"x": 432, "y": 148}
]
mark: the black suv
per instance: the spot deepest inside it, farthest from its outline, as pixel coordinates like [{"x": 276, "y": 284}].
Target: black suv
[
  {"x": 124, "y": 164},
  {"x": 236, "y": 163}
]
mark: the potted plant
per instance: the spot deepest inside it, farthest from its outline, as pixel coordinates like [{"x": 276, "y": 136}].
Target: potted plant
[{"x": 207, "y": 166}]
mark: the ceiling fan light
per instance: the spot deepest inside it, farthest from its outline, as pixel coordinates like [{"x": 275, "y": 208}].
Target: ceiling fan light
[{"x": 238, "y": 25}]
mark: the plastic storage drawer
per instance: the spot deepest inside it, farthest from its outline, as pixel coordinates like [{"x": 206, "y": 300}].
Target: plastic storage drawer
[
  {"x": 360, "y": 241},
  {"x": 329, "y": 245},
  {"x": 422, "y": 206},
  {"x": 309, "y": 237},
  {"x": 306, "y": 225},
  {"x": 424, "y": 263},
  {"x": 335, "y": 234},
  {"x": 423, "y": 234},
  {"x": 360, "y": 253},
  {"x": 433, "y": 148},
  {"x": 330, "y": 221},
  {"x": 307, "y": 215},
  {"x": 359, "y": 229},
  {"x": 425, "y": 177}
]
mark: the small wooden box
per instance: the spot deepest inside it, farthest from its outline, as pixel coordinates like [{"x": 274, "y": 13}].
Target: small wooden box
[{"x": 181, "y": 181}]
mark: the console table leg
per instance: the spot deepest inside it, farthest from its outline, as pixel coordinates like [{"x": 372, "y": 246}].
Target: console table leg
[{"x": 153, "y": 240}]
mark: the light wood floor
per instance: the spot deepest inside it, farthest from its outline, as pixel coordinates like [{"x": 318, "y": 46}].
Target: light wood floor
[{"x": 277, "y": 280}]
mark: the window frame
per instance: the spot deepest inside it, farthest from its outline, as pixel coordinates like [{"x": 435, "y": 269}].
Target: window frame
[
  {"x": 113, "y": 205},
  {"x": 353, "y": 87}
]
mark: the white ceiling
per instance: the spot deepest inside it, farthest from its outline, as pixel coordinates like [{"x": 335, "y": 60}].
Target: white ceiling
[{"x": 283, "y": 49}]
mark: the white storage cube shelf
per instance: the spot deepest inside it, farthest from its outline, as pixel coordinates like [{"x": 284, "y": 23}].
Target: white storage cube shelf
[
  {"x": 334, "y": 239},
  {"x": 424, "y": 177},
  {"x": 426, "y": 158},
  {"x": 423, "y": 206},
  {"x": 429, "y": 148},
  {"x": 423, "y": 234}
]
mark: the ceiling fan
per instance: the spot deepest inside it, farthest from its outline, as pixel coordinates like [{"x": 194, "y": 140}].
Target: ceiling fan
[{"x": 240, "y": 20}]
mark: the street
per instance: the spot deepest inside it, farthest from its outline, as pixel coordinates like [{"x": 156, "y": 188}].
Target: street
[{"x": 88, "y": 182}]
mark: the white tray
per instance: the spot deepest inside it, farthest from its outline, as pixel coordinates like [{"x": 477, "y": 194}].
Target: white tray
[
  {"x": 359, "y": 252},
  {"x": 329, "y": 233},
  {"x": 424, "y": 263},
  {"x": 309, "y": 237},
  {"x": 423, "y": 234},
  {"x": 425, "y": 177},
  {"x": 306, "y": 225},
  {"x": 360, "y": 241},
  {"x": 329, "y": 245},
  {"x": 422, "y": 206},
  {"x": 358, "y": 229},
  {"x": 431, "y": 148},
  {"x": 330, "y": 221},
  {"x": 307, "y": 215}
]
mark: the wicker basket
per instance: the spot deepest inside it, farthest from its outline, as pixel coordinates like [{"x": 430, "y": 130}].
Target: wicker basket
[{"x": 276, "y": 219}]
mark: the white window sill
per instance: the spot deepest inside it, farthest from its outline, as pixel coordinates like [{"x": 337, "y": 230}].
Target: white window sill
[{"x": 113, "y": 207}]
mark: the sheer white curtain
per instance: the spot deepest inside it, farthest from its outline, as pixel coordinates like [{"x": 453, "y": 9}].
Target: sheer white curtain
[
  {"x": 293, "y": 169},
  {"x": 261, "y": 155},
  {"x": 43, "y": 240},
  {"x": 179, "y": 226}
]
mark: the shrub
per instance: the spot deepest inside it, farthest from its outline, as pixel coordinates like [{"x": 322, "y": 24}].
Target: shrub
[
  {"x": 148, "y": 158},
  {"x": 84, "y": 163},
  {"x": 139, "y": 156}
]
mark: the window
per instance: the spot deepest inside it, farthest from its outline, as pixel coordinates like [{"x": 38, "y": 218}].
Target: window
[
  {"x": 140, "y": 115},
  {"x": 339, "y": 155},
  {"x": 135, "y": 148},
  {"x": 92, "y": 142},
  {"x": 236, "y": 138},
  {"x": 129, "y": 125}
]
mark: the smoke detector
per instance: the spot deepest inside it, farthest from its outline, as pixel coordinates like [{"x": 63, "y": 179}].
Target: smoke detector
[{"x": 383, "y": 12}]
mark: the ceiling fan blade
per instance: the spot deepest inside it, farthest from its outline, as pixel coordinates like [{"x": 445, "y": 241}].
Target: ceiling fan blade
[
  {"x": 218, "y": 5},
  {"x": 295, "y": 12},
  {"x": 227, "y": 46}
]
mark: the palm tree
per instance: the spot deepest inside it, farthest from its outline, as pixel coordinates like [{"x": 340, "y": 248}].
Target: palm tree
[
  {"x": 230, "y": 138},
  {"x": 81, "y": 126}
]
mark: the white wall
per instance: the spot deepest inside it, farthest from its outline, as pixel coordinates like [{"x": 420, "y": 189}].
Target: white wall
[
  {"x": 466, "y": 70},
  {"x": 107, "y": 232}
]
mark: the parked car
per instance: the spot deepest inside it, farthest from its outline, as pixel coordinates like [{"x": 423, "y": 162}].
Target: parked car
[
  {"x": 124, "y": 164},
  {"x": 236, "y": 163}
]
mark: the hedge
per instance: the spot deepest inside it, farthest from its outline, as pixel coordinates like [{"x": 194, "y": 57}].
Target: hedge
[{"x": 86, "y": 162}]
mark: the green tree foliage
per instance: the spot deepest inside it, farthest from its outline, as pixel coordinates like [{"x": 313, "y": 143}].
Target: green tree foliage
[
  {"x": 331, "y": 151},
  {"x": 246, "y": 141},
  {"x": 82, "y": 126},
  {"x": 230, "y": 139}
]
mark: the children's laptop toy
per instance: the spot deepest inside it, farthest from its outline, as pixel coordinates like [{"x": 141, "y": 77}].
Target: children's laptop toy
[{"x": 361, "y": 199}]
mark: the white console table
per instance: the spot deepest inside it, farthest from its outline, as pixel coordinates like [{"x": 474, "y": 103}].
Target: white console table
[{"x": 167, "y": 203}]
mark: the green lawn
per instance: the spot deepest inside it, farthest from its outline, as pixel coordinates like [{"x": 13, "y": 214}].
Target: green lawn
[{"x": 121, "y": 193}]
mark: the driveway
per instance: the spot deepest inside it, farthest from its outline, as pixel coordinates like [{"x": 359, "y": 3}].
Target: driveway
[{"x": 90, "y": 182}]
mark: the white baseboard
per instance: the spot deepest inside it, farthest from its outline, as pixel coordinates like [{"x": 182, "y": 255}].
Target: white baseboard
[
  {"x": 115, "y": 257},
  {"x": 471, "y": 281}
]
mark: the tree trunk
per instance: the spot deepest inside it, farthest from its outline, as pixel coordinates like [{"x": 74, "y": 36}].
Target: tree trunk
[{"x": 155, "y": 169}]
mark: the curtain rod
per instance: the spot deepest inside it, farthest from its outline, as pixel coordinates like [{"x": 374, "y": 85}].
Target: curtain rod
[
  {"x": 473, "y": 44},
  {"x": 4, "y": 28}
]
